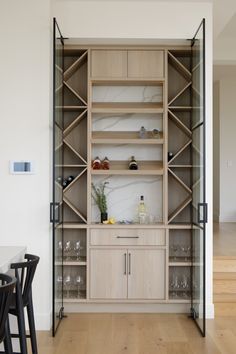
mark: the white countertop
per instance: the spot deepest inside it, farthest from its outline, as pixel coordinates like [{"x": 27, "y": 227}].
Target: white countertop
[{"x": 10, "y": 254}]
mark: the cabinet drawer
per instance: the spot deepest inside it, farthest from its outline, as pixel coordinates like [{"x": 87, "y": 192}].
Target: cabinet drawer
[
  {"x": 109, "y": 63},
  {"x": 145, "y": 63},
  {"x": 125, "y": 237}
]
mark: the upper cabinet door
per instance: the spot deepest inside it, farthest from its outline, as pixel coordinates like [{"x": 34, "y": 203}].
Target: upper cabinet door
[
  {"x": 145, "y": 64},
  {"x": 109, "y": 64}
]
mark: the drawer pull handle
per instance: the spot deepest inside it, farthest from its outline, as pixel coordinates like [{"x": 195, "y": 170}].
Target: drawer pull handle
[
  {"x": 125, "y": 272},
  {"x": 127, "y": 236}
]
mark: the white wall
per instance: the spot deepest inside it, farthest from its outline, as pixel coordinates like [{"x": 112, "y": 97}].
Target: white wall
[
  {"x": 24, "y": 114},
  {"x": 102, "y": 20},
  {"x": 226, "y": 78},
  {"x": 216, "y": 151}
]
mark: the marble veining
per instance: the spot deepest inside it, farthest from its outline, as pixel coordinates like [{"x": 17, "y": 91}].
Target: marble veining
[
  {"x": 123, "y": 196},
  {"x": 126, "y": 122},
  {"x": 127, "y": 94}
]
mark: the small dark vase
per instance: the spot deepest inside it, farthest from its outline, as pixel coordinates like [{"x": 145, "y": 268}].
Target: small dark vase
[{"x": 104, "y": 217}]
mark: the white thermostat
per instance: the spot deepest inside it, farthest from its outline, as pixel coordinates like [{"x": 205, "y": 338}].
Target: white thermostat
[{"x": 22, "y": 167}]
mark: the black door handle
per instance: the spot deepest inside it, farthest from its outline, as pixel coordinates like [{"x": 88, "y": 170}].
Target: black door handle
[
  {"x": 204, "y": 218},
  {"x": 54, "y": 212}
]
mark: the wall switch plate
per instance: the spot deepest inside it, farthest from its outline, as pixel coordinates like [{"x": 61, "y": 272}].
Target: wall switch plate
[{"x": 22, "y": 167}]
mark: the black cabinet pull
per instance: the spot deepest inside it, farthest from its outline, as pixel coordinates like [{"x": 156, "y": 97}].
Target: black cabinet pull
[
  {"x": 54, "y": 212},
  {"x": 51, "y": 212},
  {"x": 127, "y": 236}
]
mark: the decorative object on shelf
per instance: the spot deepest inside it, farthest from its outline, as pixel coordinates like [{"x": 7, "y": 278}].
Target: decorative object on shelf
[
  {"x": 133, "y": 164},
  {"x": 109, "y": 221},
  {"x": 170, "y": 155},
  {"x": 105, "y": 164},
  {"x": 142, "y": 212},
  {"x": 125, "y": 222},
  {"x": 100, "y": 199},
  {"x": 142, "y": 133},
  {"x": 156, "y": 133},
  {"x": 96, "y": 163}
]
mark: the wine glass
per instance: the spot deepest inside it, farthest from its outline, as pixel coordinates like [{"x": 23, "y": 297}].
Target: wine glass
[
  {"x": 59, "y": 284},
  {"x": 186, "y": 250},
  {"x": 59, "y": 250},
  {"x": 78, "y": 248},
  {"x": 67, "y": 284},
  {"x": 79, "y": 281},
  {"x": 174, "y": 248},
  {"x": 174, "y": 284},
  {"x": 67, "y": 249}
]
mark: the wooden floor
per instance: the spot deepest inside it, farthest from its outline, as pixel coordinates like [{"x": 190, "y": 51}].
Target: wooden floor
[
  {"x": 224, "y": 239},
  {"x": 138, "y": 334},
  {"x": 147, "y": 333}
]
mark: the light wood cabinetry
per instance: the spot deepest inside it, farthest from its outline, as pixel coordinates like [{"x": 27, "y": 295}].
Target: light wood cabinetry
[
  {"x": 109, "y": 63},
  {"x": 127, "y": 274},
  {"x": 108, "y": 274},
  {"x": 109, "y": 94},
  {"x": 145, "y": 63},
  {"x": 146, "y": 274},
  {"x": 123, "y": 237}
]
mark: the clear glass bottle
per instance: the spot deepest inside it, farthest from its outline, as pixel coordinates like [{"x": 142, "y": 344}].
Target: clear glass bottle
[
  {"x": 142, "y": 133},
  {"x": 142, "y": 211}
]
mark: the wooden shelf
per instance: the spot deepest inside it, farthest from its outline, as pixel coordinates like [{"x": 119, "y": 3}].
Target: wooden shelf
[
  {"x": 121, "y": 168},
  {"x": 127, "y": 81},
  {"x": 127, "y": 107},
  {"x": 124, "y": 137},
  {"x": 180, "y": 264},
  {"x": 71, "y": 108},
  {"x": 71, "y": 166},
  {"x": 71, "y": 263},
  {"x": 180, "y": 93}
]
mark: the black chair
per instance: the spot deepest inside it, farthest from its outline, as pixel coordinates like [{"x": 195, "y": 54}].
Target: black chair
[
  {"x": 7, "y": 286},
  {"x": 24, "y": 273}
]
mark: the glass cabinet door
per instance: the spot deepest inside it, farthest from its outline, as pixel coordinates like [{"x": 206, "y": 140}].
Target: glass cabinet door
[
  {"x": 56, "y": 206},
  {"x": 199, "y": 206}
]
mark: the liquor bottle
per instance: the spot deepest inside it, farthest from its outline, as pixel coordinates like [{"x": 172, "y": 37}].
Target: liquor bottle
[
  {"x": 96, "y": 164},
  {"x": 142, "y": 212},
  {"x": 142, "y": 133},
  {"x": 106, "y": 164},
  {"x": 133, "y": 164}
]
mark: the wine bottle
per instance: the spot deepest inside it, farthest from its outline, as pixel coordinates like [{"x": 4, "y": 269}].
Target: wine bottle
[
  {"x": 64, "y": 183},
  {"x": 142, "y": 212},
  {"x": 133, "y": 164},
  {"x": 70, "y": 179},
  {"x": 170, "y": 155}
]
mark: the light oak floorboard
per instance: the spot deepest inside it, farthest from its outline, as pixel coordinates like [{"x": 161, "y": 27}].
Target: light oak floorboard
[{"x": 138, "y": 334}]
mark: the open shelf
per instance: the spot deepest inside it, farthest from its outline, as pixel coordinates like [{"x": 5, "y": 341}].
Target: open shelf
[
  {"x": 127, "y": 107},
  {"x": 112, "y": 81},
  {"x": 121, "y": 168},
  {"x": 124, "y": 137}
]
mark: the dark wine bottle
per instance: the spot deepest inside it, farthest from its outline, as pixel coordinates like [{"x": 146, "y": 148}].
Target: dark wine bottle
[
  {"x": 133, "y": 164},
  {"x": 64, "y": 183},
  {"x": 170, "y": 155},
  {"x": 70, "y": 179}
]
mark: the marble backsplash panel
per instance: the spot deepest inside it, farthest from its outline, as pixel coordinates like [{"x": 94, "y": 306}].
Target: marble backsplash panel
[
  {"x": 123, "y": 195},
  {"x": 126, "y": 122},
  {"x": 127, "y": 94}
]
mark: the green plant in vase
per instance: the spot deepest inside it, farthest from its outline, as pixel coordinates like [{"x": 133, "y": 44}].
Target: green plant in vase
[{"x": 100, "y": 198}]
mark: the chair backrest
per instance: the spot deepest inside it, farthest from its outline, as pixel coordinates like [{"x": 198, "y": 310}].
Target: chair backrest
[
  {"x": 24, "y": 273},
  {"x": 7, "y": 286}
]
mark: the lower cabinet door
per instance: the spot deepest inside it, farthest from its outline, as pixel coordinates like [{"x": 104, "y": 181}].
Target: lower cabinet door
[
  {"x": 146, "y": 274},
  {"x": 108, "y": 274}
]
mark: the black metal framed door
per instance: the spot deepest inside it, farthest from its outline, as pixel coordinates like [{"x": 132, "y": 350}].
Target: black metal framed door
[
  {"x": 56, "y": 207},
  {"x": 199, "y": 206}
]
